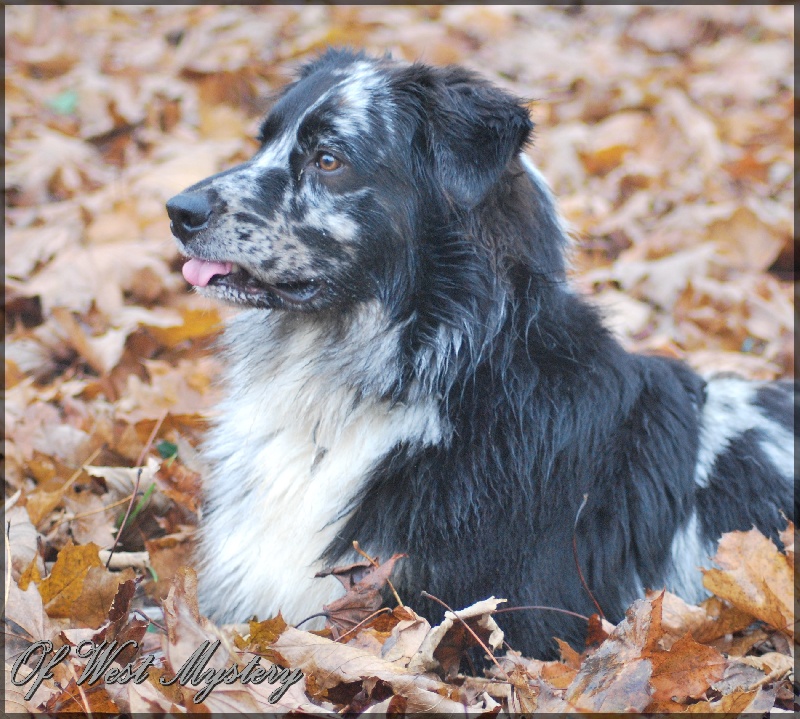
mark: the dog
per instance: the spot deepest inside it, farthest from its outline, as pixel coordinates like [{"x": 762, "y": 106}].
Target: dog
[{"x": 411, "y": 370}]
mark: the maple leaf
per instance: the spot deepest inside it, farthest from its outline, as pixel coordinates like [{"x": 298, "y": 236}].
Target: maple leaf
[{"x": 755, "y": 577}]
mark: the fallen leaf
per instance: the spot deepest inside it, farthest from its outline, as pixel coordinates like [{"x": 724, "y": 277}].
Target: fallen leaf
[
  {"x": 64, "y": 585},
  {"x": 754, "y": 577},
  {"x": 363, "y": 583},
  {"x": 752, "y": 702},
  {"x": 447, "y": 642},
  {"x": 334, "y": 664},
  {"x": 100, "y": 587},
  {"x": 406, "y": 636},
  {"x": 686, "y": 671},
  {"x": 615, "y": 677}
]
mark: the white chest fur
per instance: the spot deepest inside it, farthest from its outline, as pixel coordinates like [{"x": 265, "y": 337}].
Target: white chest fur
[{"x": 290, "y": 451}]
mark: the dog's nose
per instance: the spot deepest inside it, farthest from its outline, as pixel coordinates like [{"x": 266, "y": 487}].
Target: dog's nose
[{"x": 189, "y": 213}]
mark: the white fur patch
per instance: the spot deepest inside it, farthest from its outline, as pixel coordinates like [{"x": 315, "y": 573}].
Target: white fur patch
[
  {"x": 689, "y": 551},
  {"x": 290, "y": 451},
  {"x": 729, "y": 411}
]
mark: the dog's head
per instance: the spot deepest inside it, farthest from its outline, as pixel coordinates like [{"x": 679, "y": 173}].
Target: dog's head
[{"x": 357, "y": 157}]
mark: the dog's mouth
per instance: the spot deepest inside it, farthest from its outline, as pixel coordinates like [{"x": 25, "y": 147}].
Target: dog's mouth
[{"x": 235, "y": 284}]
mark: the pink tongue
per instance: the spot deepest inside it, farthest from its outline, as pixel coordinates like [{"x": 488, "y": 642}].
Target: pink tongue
[{"x": 200, "y": 272}]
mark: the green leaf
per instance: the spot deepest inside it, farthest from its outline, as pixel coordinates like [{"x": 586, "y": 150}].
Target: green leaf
[
  {"x": 65, "y": 103},
  {"x": 167, "y": 450}
]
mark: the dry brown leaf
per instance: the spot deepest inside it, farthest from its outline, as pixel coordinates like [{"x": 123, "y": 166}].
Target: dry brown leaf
[
  {"x": 94, "y": 700},
  {"x": 100, "y": 587},
  {"x": 752, "y": 702},
  {"x": 333, "y": 664},
  {"x": 187, "y": 630},
  {"x": 89, "y": 518},
  {"x": 752, "y": 236},
  {"x": 26, "y": 621},
  {"x": 145, "y": 698},
  {"x": 406, "y": 636},
  {"x": 168, "y": 555},
  {"x": 446, "y": 643},
  {"x": 263, "y": 634},
  {"x": 755, "y": 578},
  {"x": 678, "y": 618},
  {"x": 196, "y": 324},
  {"x": 609, "y": 141},
  {"x": 615, "y": 677},
  {"x": 775, "y": 665},
  {"x": 722, "y": 619},
  {"x": 558, "y": 675},
  {"x": 22, "y": 540},
  {"x": 569, "y": 656},
  {"x": 598, "y": 630},
  {"x": 674, "y": 31},
  {"x": 686, "y": 671},
  {"x": 64, "y": 585},
  {"x": 666, "y": 133},
  {"x": 363, "y": 583},
  {"x": 122, "y": 480}
]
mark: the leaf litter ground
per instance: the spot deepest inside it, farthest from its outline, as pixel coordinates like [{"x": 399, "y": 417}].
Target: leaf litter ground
[{"x": 667, "y": 136}]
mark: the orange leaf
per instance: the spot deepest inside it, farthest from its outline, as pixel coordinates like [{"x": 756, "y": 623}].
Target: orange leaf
[
  {"x": 755, "y": 577},
  {"x": 686, "y": 671},
  {"x": 65, "y": 583},
  {"x": 615, "y": 678}
]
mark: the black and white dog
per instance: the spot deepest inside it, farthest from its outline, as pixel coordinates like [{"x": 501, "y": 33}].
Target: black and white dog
[{"x": 412, "y": 371}]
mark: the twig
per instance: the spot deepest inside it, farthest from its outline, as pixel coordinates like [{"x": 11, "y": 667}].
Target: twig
[
  {"x": 150, "y": 439},
  {"x": 80, "y": 690},
  {"x": 382, "y": 610},
  {"x": 140, "y": 613},
  {"x": 77, "y": 473},
  {"x": 125, "y": 519},
  {"x": 81, "y": 515},
  {"x": 549, "y": 609},
  {"x": 91, "y": 458},
  {"x": 469, "y": 629},
  {"x": 376, "y": 565},
  {"x": 575, "y": 556},
  {"x": 121, "y": 560},
  {"x": 138, "y": 464},
  {"x": 313, "y": 616}
]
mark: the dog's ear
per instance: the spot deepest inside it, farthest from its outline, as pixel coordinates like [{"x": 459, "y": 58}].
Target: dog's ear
[{"x": 475, "y": 130}]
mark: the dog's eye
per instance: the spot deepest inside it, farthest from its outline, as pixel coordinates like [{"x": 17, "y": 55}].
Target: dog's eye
[{"x": 327, "y": 162}]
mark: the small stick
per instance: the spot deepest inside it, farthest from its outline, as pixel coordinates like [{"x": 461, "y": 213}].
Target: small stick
[
  {"x": 125, "y": 519},
  {"x": 313, "y": 616},
  {"x": 150, "y": 439},
  {"x": 382, "y": 610},
  {"x": 549, "y": 609},
  {"x": 80, "y": 691},
  {"x": 81, "y": 515},
  {"x": 138, "y": 464},
  {"x": 575, "y": 556},
  {"x": 121, "y": 560}
]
